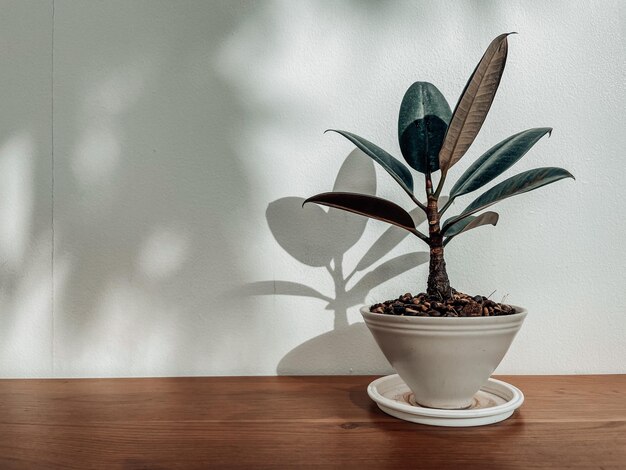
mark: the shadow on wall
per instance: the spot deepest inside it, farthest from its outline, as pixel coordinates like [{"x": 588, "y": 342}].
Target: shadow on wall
[
  {"x": 145, "y": 155},
  {"x": 303, "y": 233},
  {"x": 150, "y": 126},
  {"x": 25, "y": 231}
]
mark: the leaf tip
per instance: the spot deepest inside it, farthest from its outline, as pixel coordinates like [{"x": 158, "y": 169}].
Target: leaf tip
[{"x": 568, "y": 174}]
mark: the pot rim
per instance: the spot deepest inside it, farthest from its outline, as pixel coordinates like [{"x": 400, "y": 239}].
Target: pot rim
[{"x": 519, "y": 315}]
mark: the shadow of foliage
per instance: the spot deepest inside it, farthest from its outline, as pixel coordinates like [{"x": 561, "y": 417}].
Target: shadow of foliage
[{"x": 303, "y": 232}]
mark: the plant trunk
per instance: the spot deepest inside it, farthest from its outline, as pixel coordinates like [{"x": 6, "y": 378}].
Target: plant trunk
[{"x": 438, "y": 282}]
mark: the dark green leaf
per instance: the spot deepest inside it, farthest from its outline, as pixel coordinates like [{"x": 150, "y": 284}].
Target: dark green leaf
[
  {"x": 518, "y": 184},
  {"x": 471, "y": 110},
  {"x": 369, "y": 206},
  {"x": 422, "y": 124},
  {"x": 396, "y": 169},
  {"x": 497, "y": 160},
  {"x": 468, "y": 223}
]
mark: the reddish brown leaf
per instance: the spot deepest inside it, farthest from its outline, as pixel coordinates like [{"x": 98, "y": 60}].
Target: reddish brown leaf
[
  {"x": 474, "y": 103},
  {"x": 369, "y": 206}
]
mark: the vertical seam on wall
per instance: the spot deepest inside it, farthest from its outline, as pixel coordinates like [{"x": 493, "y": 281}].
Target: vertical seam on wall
[{"x": 52, "y": 286}]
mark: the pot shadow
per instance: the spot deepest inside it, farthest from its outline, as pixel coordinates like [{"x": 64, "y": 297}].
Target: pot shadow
[
  {"x": 359, "y": 398},
  {"x": 319, "y": 239}
]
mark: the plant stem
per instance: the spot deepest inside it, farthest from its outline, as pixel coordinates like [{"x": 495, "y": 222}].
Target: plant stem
[
  {"x": 440, "y": 185},
  {"x": 429, "y": 186},
  {"x": 438, "y": 281},
  {"x": 446, "y": 206},
  {"x": 416, "y": 201},
  {"x": 421, "y": 236}
]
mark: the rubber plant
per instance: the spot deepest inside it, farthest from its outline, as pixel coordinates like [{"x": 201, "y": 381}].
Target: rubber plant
[{"x": 432, "y": 140}]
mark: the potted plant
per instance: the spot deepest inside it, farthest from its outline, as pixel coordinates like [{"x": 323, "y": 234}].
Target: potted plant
[{"x": 445, "y": 344}]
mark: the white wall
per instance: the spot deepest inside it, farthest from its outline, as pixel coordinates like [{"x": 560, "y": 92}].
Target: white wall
[{"x": 153, "y": 154}]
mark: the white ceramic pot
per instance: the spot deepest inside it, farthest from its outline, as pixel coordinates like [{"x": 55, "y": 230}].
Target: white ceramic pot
[{"x": 444, "y": 361}]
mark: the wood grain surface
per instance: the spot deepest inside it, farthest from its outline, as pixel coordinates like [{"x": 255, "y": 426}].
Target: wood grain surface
[{"x": 297, "y": 422}]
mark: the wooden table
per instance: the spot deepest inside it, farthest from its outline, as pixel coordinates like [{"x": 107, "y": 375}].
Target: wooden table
[{"x": 299, "y": 422}]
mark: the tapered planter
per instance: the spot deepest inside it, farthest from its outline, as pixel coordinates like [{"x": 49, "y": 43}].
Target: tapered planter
[{"x": 444, "y": 361}]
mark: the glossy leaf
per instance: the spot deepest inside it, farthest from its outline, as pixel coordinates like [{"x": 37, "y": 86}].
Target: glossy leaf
[
  {"x": 474, "y": 103},
  {"x": 422, "y": 124},
  {"x": 497, "y": 160},
  {"x": 469, "y": 223},
  {"x": 369, "y": 206},
  {"x": 518, "y": 184},
  {"x": 396, "y": 169}
]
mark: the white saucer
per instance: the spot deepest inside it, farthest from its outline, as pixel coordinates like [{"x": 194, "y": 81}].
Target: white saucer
[{"x": 494, "y": 402}]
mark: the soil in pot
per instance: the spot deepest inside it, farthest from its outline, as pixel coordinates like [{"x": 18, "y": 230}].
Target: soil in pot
[{"x": 459, "y": 305}]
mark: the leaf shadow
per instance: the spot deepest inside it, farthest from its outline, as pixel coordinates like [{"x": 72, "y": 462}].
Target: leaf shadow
[{"x": 319, "y": 238}]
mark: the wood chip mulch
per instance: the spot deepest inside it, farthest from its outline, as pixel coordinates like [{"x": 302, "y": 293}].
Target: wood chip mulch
[{"x": 460, "y": 305}]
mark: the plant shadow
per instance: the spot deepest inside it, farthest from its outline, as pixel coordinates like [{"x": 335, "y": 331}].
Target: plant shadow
[{"x": 319, "y": 239}]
